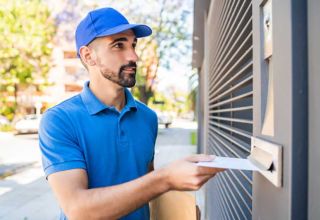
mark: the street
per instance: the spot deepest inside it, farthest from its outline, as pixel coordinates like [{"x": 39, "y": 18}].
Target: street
[
  {"x": 25, "y": 194},
  {"x": 18, "y": 150}
]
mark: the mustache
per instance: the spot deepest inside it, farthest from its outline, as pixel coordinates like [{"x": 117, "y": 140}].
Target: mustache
[{"x": 129, "y": 65}]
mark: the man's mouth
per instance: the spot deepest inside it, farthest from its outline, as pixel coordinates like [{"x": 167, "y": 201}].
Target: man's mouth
[{"x": 130, "y": 69}]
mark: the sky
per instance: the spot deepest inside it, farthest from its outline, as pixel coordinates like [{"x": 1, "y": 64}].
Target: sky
[{"x": 177, "y": 77}]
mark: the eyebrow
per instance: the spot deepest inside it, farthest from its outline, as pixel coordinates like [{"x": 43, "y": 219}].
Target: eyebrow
[{"x": 122, "y": 39}]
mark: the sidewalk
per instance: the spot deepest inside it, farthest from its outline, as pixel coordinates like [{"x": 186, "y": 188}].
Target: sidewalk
[
  {"x": 174, "y": 143},
  {"x": 27, "y": 196}
]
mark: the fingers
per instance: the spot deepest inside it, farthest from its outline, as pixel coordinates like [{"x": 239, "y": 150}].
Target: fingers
[
  {"x": 199, "y": 181},
  {"x": 208, "y": 170},
  {"x": 185, "y": 174},
  {"x": 204, "y": 179},
  {"x": 200, "y": 157},
  {"x": 204, "y": 170}
]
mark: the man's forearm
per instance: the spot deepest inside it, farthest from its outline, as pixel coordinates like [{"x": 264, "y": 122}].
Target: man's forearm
[
  {"x": 78, "y": 202},
  {"x": 116, "y": 201}
]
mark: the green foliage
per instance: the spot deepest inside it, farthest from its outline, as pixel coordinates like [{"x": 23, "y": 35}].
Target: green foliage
[
  {"x": 6, "y": 128},
  {"x": 6, "y": 108},
  {"x": 175, "y": 103},
  {"x": 193, "y": 138},
  {"x": 27, "y": 32}
]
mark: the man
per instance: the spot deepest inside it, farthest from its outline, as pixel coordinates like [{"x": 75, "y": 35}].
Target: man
[{"x": 98, "y": 146}]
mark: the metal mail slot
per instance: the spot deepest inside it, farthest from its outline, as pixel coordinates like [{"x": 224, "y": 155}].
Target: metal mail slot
[{"x": 268, "y": 157}]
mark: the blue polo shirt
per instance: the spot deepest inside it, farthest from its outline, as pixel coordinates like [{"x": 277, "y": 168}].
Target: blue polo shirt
[{"x": 113, "y": 147}]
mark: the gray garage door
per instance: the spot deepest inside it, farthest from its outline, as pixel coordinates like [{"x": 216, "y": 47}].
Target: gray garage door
[{"x": 230, "y": 95}]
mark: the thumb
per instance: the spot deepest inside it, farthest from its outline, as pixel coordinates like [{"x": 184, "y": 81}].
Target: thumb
[{"x": 200, "y": 157}]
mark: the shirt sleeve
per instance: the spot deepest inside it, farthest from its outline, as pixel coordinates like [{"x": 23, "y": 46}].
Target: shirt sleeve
[{"x": 58, "y": 144}]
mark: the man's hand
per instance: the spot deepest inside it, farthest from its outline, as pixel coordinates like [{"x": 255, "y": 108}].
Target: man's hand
[{"x": 186, "y": 175}]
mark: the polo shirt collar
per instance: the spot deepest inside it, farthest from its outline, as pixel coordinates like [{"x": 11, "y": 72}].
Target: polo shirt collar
[
  {"x": 94, "y": 105},
  {"x": 130, "y": 102}
]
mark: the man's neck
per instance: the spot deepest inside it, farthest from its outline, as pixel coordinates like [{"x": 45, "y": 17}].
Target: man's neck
[{"x": 109, "y": 93}]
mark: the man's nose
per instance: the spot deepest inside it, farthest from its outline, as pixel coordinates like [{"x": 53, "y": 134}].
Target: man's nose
[{"x": 132, "y": 56}]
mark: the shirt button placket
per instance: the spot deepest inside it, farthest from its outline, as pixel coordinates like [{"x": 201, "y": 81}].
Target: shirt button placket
[{"x": 123, "y": 143}]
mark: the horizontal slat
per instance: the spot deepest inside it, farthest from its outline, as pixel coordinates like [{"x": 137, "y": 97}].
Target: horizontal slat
[
  {"x": 231, "y": 109},
  {"x": 231, "y": 119},
  {"x": 233, "y": 88},
  {"x": 230, "y": 100},
  {"x": 232, "y": 129},
  {"x": 234, "y": 77}
]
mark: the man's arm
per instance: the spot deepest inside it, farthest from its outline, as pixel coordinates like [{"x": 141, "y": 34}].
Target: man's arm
[{"x": 78, "y": 202}]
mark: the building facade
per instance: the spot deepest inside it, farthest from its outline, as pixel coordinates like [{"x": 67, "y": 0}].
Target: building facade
[{"x": 258, "y": 79}]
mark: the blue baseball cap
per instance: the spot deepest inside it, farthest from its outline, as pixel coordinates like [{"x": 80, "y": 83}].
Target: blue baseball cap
[{"x": 104, "y": 22}]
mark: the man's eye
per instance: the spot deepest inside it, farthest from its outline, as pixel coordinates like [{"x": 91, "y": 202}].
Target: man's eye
[
  {"x": 134, "y": 45},
  {"x": 118, "y": 45}
]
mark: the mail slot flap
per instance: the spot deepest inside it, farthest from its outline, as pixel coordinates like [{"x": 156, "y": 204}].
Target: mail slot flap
[
  {"x": 267, "y": 156},
  {"x": 262, "y": 159}
]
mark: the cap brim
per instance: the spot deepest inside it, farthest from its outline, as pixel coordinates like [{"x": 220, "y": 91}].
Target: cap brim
[{"x": 140, "y": 30}]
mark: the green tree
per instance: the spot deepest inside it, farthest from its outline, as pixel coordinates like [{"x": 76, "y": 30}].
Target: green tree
[
  {"x": 27, "y": 32},
  {"x": 171, "y": 40}
]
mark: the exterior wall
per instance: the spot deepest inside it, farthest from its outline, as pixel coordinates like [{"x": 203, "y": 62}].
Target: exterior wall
[
  {"x": 290, "y": 110},
  {"x": 314, "y": 109},
  {"x": 271, "y": 202}
]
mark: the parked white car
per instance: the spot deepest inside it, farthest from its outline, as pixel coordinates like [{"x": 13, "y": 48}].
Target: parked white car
[
  {"x": 28, "y": 124},
  {"x": 164, "y": 118}
]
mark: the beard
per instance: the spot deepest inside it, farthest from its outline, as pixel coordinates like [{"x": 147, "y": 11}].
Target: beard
[{"x": 122, "y": 78}]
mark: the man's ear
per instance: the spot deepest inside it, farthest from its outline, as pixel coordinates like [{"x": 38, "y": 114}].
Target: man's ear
[{"x": 88, "y": 55}]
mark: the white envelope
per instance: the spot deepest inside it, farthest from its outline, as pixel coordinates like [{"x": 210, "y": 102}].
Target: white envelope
[{"x": 230, "y": 163}]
